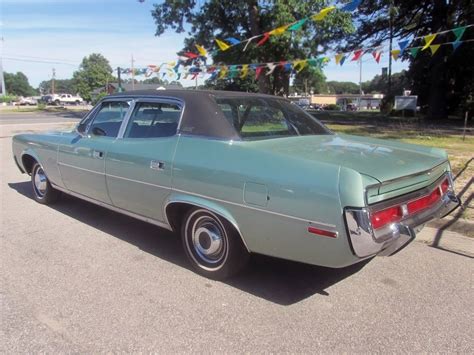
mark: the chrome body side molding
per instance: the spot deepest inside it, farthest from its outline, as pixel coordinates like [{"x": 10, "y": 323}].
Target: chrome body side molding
[{"x": 115, "y": 209}]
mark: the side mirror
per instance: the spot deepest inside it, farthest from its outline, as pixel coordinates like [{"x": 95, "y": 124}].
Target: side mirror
[{"x": 81, "y": 129}]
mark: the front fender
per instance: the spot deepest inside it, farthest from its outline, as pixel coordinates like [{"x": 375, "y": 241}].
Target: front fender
[{"x": 213, "y": 206}]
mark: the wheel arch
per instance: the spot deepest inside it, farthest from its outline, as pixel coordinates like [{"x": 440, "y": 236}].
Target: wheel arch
[
  {"x": 177, "y": 205},
  {"x": 28, "y": 159}
]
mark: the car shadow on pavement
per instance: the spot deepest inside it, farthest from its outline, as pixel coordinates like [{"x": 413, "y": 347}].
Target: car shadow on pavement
[{"x": 280, "y": 281}]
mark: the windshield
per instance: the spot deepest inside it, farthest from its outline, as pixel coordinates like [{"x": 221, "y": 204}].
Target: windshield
[{"x": 264, "y": 118}]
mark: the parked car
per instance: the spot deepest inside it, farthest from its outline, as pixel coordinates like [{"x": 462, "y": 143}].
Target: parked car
[
  {"x": 27, "y": 101},
  {"x": 238, "y": 173},
  {"x": 46, "y": 99},
  {"x": 66, "y": 99}
]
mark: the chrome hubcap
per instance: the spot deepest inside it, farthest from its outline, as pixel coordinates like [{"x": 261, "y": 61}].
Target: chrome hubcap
[
  {"x": 207, "y": 240},
  {"x": 40, "y": 182}
]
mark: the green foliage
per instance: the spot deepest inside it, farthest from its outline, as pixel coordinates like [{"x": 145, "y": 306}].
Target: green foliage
[
  {"x": 379, "y": 84},
  {"x": 332, "y": 107},
  {"x": 154, "y": 80},
  {"x": 61, "y": 86},
  {"x": 17, "y": 84},
  {"x": 443, "y": 82},
  {"x": 94, "y": 72},
  {"x": 99, "y": 97},
  {"x": 8, "y": 99},
  {"x": 342, "y": 87},
  {"x": 310, "y": 80},
  {"x": 243, "y": 19},
  {"x": 237, "y": 84}
]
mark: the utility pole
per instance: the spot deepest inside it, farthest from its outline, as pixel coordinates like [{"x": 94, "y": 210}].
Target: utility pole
[
  {"x": 360, "y": 82},
  {"x": 390, "y": 20},
  {"x": 133, "y": 73},
  {"x": 3, "y": 89},
  {"x": 119, "y": 71},
  {"x": 52, "y": 81}
]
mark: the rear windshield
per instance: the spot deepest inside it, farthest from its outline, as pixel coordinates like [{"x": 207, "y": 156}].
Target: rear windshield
[{"x": 263, "y": 118}]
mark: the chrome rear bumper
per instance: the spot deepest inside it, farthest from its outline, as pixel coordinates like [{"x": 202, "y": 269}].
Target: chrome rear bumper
[{"x": 389, "y": 240}]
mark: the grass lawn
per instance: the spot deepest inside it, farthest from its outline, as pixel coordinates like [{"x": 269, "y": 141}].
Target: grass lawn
[{"x": 447, "y": 135}]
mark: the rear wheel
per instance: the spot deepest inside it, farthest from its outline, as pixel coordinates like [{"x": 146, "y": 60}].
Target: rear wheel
[
  {"x": 43, "y": 192},
  {"x": 212, "y": 245}
]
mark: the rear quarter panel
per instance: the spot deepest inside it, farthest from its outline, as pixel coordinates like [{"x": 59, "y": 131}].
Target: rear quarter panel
[{"x": 298, "y": 194}]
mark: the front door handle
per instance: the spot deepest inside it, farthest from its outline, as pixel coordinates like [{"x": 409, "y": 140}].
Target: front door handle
[{"x": 98, "y": 154}]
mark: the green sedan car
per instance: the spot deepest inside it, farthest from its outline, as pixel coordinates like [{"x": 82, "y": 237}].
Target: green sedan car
[{"x": 238, "y": 173}]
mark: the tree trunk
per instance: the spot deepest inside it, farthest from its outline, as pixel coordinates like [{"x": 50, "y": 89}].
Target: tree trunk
[
  {"x": 437, "y": 102},
  {"x": 254, "y": 18}
]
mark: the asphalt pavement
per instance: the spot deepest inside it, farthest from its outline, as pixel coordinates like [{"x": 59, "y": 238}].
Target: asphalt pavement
[{"x": 79, "y": 278}]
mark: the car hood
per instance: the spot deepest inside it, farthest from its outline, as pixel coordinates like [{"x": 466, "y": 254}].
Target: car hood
[{"x": 381, "y": 159}]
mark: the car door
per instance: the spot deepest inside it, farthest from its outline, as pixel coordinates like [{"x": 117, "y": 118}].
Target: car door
[
  {"x": 81, "y": 159},
  {"x": 139, "y": 165}
]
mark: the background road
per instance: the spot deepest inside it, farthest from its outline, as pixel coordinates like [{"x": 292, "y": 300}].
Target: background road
[{"x": 79, "y": 278}]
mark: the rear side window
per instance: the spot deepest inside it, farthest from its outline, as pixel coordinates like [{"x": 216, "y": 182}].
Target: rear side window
[{"x": 153, "y": 120}]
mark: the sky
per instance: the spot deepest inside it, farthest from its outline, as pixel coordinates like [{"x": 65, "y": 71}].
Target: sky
[{"x": 39, "y": 35}]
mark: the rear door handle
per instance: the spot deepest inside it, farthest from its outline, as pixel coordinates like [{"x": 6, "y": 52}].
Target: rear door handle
[{"x": 98, "y": 154}]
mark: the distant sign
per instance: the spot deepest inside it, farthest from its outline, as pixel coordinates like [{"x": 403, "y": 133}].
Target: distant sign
[{"x": 406, "y": 102}]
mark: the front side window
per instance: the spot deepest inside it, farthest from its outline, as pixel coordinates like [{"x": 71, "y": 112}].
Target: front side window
[
  {"x": 108, "y": 119},
  {"x": 261, "y": 118},
  {"x": 153, "y": 120}
]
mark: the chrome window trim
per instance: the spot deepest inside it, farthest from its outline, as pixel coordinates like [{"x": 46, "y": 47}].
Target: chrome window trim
[
  {"x": 99, "y": 105},
  {"x": 115, "y": 209},
  {"x": 154, "y": 99}
]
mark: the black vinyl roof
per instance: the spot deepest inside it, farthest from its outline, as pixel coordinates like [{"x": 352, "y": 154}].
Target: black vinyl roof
[{"x": 202, "y": 116}]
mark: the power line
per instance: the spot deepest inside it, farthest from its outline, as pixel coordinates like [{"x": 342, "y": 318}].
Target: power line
[{"x": 39, "y": 61}]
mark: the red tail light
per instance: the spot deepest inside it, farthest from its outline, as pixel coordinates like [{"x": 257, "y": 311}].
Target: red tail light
[
  {"x": 384, "y": 217},
  {"x": 424, "y": 202}
]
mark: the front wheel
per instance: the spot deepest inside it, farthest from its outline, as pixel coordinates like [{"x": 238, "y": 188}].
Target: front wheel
[
  {"x": 212, "y": 245},
  {"x": 43, "y": 192}
]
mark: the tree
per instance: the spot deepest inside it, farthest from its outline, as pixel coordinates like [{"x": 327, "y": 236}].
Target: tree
[
  {"x": 400, "y": 82},
  {"x": 17, "y": 84},
  {"x": 63, "y": 86},
  {"x": 437, "y": 77},
  {"x": 343, "y": 87},
  {"x": 94, "y": 72},
  {"x": 310, "y": 80},
  {"x": 247, "y": 18},
  {"x": 153, "y": 80}
]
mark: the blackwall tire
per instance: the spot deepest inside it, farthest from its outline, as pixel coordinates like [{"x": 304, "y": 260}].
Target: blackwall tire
[
  {"x": 212, "y": 245},
  {"x": 43, "y": 192}
]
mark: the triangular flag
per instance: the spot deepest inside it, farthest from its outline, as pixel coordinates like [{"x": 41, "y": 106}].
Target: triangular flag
[
  {"x": 202, "y": 51},
  {"x": 299, "y": 65},
  {"x": 248, "y": 42},
  {"x": 312, "y": 62},
  {"x": 287, "y": 67},
  {"x": 265, "y": 38},
  {"x": 351, "y": 6},
  {"x": 458, "y": 32},
  {"x": 244, "y": 71},
  {"x": 232, "y": 40},
  {"x": 278, "y": 31},
  {"x": 414, "y": 51},
  {"x": 297, "y": 25},
  {"x": 343, "y": 59},
  {"x": 222, "y": 45},
  {"x": 456, "y": 44},
  {"x": 233, "y": 71},
  {"x": 223, "y": 72},
  {"x": 258, "y": 71},
  {"x": 403, "y": 45},
  {"x": 325, "y": 60},
  {"x": 434, "y": 48},
  {"x": 338, "y": 58},
  {"x": 377, "y": 55},
  {"x": 357, "y": 54},
  {"x": 323, "y": 13},
  {"x": 428, "y": 39},
  {"x": 395, "y": 54},
  {"x": 190, "y": 55},
  {"x": 271, "y": 67}
]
